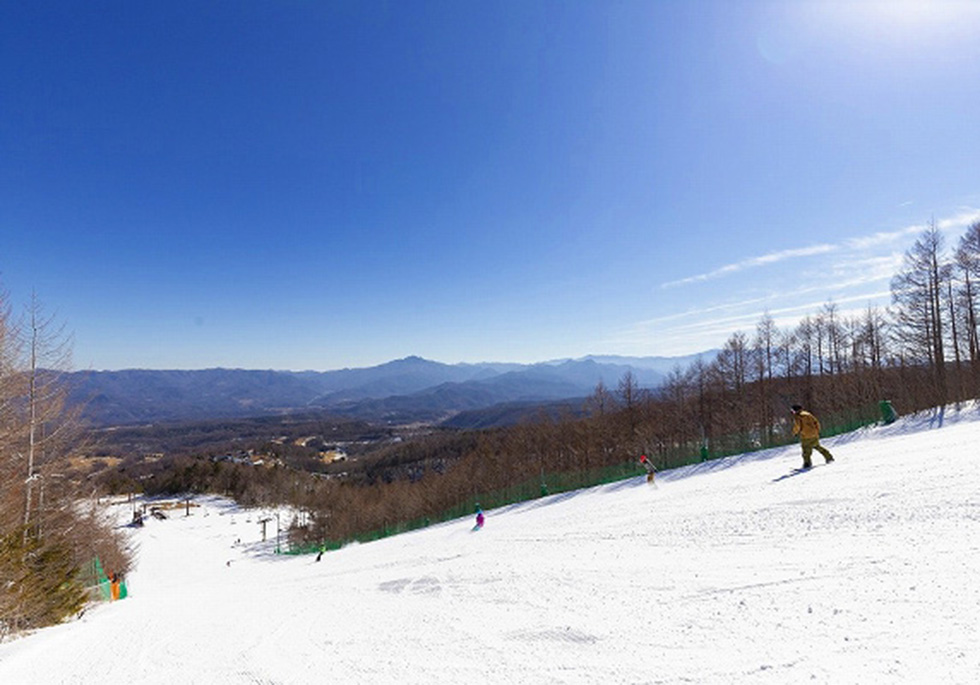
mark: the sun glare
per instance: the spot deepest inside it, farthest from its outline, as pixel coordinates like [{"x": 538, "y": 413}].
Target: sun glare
[
  {"x": 915, "y": 12},
  {"x": 884, "y": 27},
  {"x": 901, "y": 17}
]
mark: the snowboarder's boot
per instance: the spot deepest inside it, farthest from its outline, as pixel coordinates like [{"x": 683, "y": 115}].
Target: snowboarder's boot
[
  {"x": 829, "y": 459},
  {"x": 807, "y": 465}
]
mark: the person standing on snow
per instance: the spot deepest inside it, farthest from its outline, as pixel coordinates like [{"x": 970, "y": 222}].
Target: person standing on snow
[
  {"x": 648, "y": 465},
  {"x": 479, "y": 519},
  {"x": 807, "y": 427}
]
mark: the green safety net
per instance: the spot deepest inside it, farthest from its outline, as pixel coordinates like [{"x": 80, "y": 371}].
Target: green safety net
[{"x": 94, "y": 577}]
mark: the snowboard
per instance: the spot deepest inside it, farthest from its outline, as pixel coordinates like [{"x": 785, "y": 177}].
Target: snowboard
[{"x": 798, "y": 471}]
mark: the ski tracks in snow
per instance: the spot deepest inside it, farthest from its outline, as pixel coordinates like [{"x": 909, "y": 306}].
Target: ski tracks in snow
[{"x": 863, "y": 571}]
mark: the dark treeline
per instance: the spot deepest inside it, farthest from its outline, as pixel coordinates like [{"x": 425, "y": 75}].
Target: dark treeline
[
  {"x": 921, "y": 352},
  {"x": 275, "y": 436}
]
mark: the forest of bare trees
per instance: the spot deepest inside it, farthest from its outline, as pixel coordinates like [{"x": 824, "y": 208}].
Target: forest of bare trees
[{"x": 49, "y": 528}]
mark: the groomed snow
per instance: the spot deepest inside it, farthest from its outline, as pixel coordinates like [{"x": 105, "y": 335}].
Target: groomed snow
[{"x": 863, "y": 571}]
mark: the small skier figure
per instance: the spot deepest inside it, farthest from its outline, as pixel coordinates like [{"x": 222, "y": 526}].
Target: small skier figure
[
  {"x": 807, "y": 427},
  {"x": 479, "y": 519},
  {"x": 648, "y": 465}
]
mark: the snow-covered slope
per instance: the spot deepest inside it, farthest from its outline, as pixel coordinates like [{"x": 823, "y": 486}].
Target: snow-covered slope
[{"x": 862, "y": 571}]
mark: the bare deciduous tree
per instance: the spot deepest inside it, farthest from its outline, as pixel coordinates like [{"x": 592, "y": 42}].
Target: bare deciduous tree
[
  {"x": 47, "y": 534},
  {"x": 968, "y": 264},
  {"x": 918, "y": 291}
]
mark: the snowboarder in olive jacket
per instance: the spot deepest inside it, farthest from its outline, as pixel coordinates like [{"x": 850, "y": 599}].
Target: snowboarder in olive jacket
[{"x": 807, "y": 427}]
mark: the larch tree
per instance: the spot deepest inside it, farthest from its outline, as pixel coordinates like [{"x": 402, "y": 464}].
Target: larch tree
[
  {"x": 765, "y": 352},
  {"x": 967, "y": 261},
  {"x": 918, "y": 293},
  {"x": 48, "y": 533}
]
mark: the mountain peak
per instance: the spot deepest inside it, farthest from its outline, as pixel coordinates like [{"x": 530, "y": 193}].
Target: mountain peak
[{"x": 413, "y": 360}]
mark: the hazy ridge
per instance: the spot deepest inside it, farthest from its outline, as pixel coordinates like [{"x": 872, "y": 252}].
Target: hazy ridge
[{"x": 409, "y": 389}]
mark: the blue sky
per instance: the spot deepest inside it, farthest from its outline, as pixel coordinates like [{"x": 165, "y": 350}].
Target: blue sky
[{"x": 318, "y": 185}]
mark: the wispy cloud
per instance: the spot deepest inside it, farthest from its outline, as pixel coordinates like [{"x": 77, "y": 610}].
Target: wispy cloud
[
  {"x": 854, "y": 274},
  {"x": 861, "y": 270},
  {"x": 956, "y": 222},
  {"x": 884, "y": 237},
  {"x": 702, "y": 311},
  {"x": 848, "y": 276},
  {"x": 749, "y": 313},
  {"x": 708, "y": 327},
  {"x": 766, "y": 259},
  {"x": 964, "y": 218},
  {"x": 967, "y": 217}
]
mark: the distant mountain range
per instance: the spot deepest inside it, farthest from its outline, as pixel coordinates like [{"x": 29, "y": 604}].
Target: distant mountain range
[{"x": 402, "y": 391}]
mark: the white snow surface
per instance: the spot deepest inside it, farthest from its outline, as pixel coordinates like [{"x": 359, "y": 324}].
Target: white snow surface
[{"x": 866, "y": 570}]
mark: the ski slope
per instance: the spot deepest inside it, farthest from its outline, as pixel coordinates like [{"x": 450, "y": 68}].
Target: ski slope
[{"x": 861, "y": 571}]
